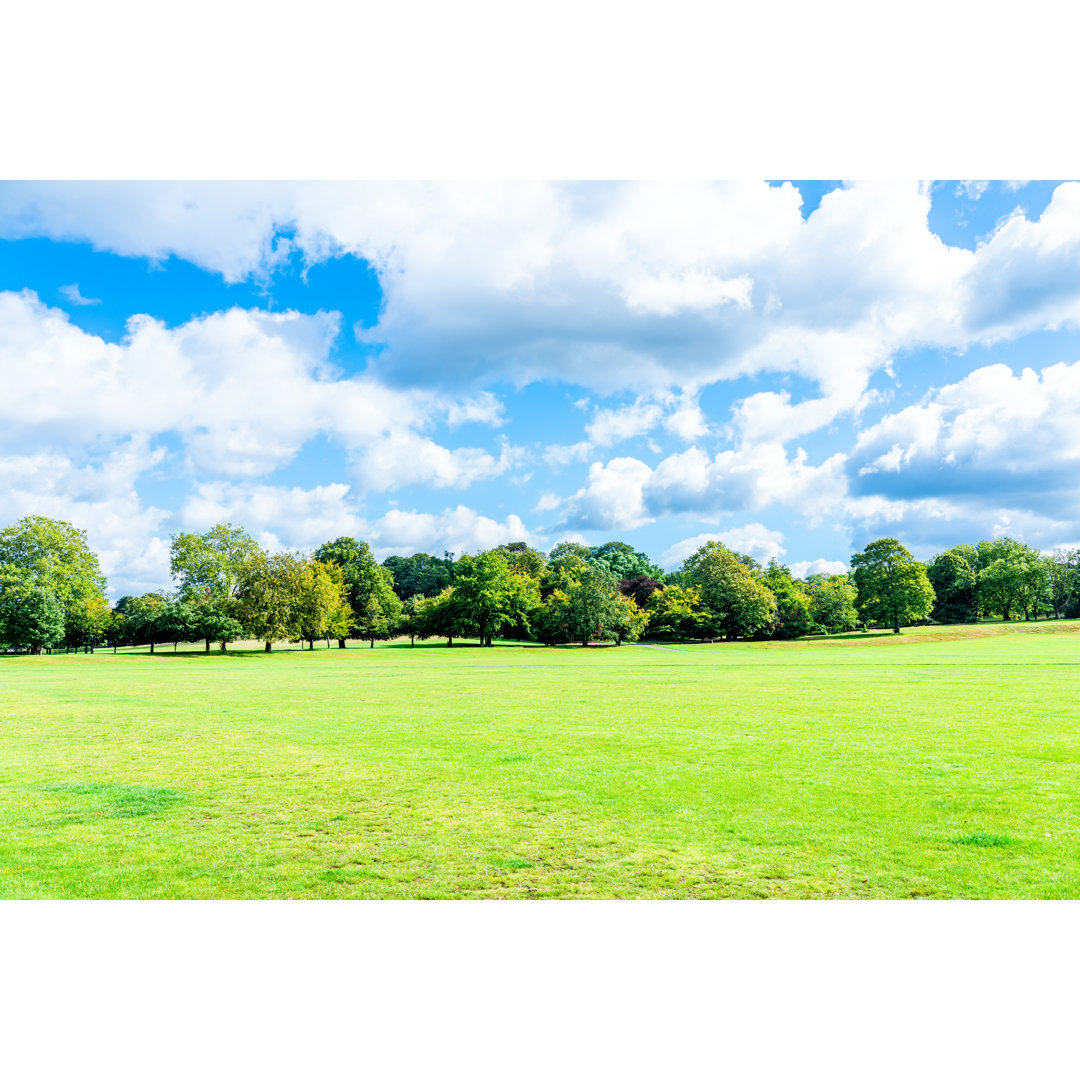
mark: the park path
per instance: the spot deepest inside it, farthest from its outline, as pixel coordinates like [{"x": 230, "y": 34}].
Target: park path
[{"x": 664, "y": 647}]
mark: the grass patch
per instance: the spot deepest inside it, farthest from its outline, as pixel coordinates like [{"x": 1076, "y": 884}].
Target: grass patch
[
  {"x": 985, "y": 839},
  {"x": 116, "y": 800}
]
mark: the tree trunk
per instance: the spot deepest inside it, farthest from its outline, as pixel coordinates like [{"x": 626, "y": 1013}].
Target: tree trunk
[
  {"x": 223, "y": 649},
  {"x": 341, "y": 643},
  {"x": 328, "y": 643},
  {"x": 151, "y": 648},
  {"x": 208, "y": 645},
  {"x": 174, "y": 644},
  {"x": 373, "y": 643},
  {"x": 267, "y": 649},
  {"x": 449, "y": 641}
]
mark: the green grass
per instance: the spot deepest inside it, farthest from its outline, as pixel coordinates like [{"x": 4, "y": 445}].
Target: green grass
[{"x": 942, "y": 763}]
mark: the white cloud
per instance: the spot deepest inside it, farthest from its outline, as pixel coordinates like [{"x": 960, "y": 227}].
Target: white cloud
[
  {"x": 994, "y": 436},
  {"x": 460, "y": 530},
  {"x": 244, "y": 389},
  {"x": 613, "y": 496},
  {"x": 72, "y": 295},
  {"x": 754, "y": 540},
  {"x": 652, "y": 286},
  {"x": 818, "y": 566}
]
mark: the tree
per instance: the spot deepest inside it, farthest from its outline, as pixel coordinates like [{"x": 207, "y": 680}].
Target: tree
[
  {"x": 569, "y": 548},
  {"x": 176, "y": 622},
  {"x": 523, "y": 559},
  {"x": 593, "y": 605},
  {"x": 628, "y": 621},
  {"x": 365, "y": 581},
  {"x": 269, "y": 594},
  {"x": 214, "y": 619},
  {"x": 35, "y": 622},
  {"x": 210, "y": 568},
  {"x": 956, "y": 586},
  {"x": 892, "y": 586},
  {"x": 439, "y": 617},
  {"x": 674, "y": 612},
  {"x": 213, "y": 561},
  {"x": 489, "y": 595},
  {"x": 793, "y": 606},
  {"x": 639, "y": 588},
  {"x": 832, "y": 602},
  {"x": 1063, "y": 575},
  {"x": 411, "y": 617},
  {"x": 735, "y": 598},
  {"x": 143, "y": 618},
  {"x": 40, "y": 553},
  {"x": 419, "y": 574},
  {"x": 623, "y": 561},
  {"x": 85, "y": 622},
  {"x": 322, "y": 610}
]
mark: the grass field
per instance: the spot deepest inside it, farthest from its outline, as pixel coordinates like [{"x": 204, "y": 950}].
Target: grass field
[{"x": 941, "y": 763}]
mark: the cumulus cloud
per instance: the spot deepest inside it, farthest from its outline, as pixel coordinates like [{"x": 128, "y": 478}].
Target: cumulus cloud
[
  {"x": 993, "y": 436},
  {"x": 754, "y": 540},
  {"x": 654, "y": 286},
  {"x": 245, "y": 389}
]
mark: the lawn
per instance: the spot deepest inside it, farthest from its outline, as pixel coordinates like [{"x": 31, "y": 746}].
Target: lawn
[{"x": 941, "y": 763}]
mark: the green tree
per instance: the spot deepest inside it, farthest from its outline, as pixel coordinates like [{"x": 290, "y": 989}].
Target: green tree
[
  {"x": 794, "y": 617},
  {"x": 215, "y": 619},
  {"x": 143, "y": 615},
  {"x": 209, "y": 568},
  {"x": 1063, "y": 577},
  {"x": 213, "y": 561},
  {"x": 956, "y": 585},
  {"x": 35, "y": 622},
  {"x": 623, "y": 561},
  {"x": 674, "y": 612},
  {"x": 419, "y": 574},
  {"x": 440, "y": 617},
  {"x": 832, "y": 602},
  {"x": 593, "y": 605},
  {"x": 735, "y": 598},
  {"x": 628, "y": 621},
  {"x": 269, "y": 594},
  {"x": 892, "y": 586},
  {"x": 365, "y": 581},
  {"x": 40, "y": 553},
  {"x": 411, "y": 617},
  {"x": 322, "y": 610},
  {"x": 489, "y": 595}
]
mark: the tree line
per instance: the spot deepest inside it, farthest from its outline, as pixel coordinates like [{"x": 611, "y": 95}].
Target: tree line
[{"x": 225, "y": 587}]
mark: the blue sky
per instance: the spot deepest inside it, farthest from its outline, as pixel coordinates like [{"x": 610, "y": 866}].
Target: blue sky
[{"x": 795, "y": 368}]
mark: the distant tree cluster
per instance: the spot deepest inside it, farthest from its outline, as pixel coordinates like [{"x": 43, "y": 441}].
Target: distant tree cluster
[{"x": 227, "y": 587}]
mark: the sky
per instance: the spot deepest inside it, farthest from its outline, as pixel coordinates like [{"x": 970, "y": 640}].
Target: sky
[{"x": 792, "y": 367}]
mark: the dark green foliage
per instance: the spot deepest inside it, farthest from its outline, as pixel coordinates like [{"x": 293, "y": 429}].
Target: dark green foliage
[
  {"x": 34, "y": 620},
  {"x": 955, "y": 583},
  {"x": 793, "y": 606},
  {"x": 623, "y": 561},
  {"x": 417, "y": 575}
]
